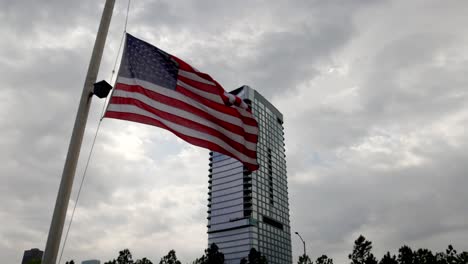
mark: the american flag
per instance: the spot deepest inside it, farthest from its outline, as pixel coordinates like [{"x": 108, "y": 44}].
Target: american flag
[{"x": 159, "y": 89}]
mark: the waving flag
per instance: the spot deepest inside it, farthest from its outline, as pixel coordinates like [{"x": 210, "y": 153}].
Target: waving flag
[{"x": 159, "y": 89}]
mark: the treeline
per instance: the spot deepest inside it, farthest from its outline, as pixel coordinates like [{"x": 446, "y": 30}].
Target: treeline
[
  {"x": 361, "y": 254},
  {"x": 212, "y": 256}
]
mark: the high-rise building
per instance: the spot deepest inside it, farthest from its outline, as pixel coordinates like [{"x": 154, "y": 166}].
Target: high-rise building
[
  {"x": 250, "y": 209},
  {"x": 31, "y": 255}
]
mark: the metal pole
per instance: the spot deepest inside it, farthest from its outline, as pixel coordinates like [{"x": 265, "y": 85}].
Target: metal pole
[
  {"x": 303, "y": 242},
  {"x": 63, "y": 196}
]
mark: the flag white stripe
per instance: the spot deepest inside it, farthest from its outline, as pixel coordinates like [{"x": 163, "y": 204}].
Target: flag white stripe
[
  {"x": 184, "y": 114},
  {"x": 181, "y": 129},
  {"x": 176, "y": 95},
  {"x": 194, "y": 77},
  {"x": 210, "y": 96},
  {"x": 232, "y": 99}
]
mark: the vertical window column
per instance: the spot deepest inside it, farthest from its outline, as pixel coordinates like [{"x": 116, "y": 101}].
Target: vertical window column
[{"x": 270, "y": 176}]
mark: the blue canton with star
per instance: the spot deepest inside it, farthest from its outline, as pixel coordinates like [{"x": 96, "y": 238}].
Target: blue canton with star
[{"x": 146, "y": 62}]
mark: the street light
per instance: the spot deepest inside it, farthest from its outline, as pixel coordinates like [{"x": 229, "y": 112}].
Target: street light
[{"x": 303, "y": 242}]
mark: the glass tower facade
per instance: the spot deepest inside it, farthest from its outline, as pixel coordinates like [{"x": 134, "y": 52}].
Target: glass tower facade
[{"x": 250, "y": 209}]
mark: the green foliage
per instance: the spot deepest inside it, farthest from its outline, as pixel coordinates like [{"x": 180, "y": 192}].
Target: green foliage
[
  {"x": 35, "y": 261},
  {"x": 170, "y": 258},
  {"x": 362, "y": 252},
  {"x": 324, "y": 260}
]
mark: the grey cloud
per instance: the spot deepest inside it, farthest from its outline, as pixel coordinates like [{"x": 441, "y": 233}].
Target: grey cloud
[{"x": 147, "y": 191}]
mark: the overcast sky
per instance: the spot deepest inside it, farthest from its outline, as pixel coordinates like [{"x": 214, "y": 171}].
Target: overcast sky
[{"x": 373, "y": 93}]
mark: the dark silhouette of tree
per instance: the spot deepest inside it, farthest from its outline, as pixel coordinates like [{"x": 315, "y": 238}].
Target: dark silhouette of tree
[
  {"x": 170, "y": 258},
  {"x": 405, "y": 255},
  {"x": 144, "y": 261},
  {"x": 324, "y": 260},
  {"x": 440, "y": 258},
  {"x": 362, "y": 252},
  {"x": 463, "y": 257},
  {"x": 304, "y": 259},
  {"x": 388, "y": 259},
  {"x": 212, "y": 256},
  {"x": 423, "y": 256},
  {"x": 201, "y": 260},
  {"x": 35, "y": 261},
  {"x": 451, "y": 255},
  {"x": 70, "y": 262},
  {"x": 125, "y": 257},
  {"x": 254, "y": 257}
]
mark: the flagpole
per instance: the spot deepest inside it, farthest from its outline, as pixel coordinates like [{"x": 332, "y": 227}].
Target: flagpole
[{"x": 66, "y": 183}]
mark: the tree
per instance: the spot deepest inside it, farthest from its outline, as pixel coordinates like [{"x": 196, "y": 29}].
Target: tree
[
  {"x": 170, "y": 258},
  {"x": 405, "y": 255},
  {"x": 211, "y": 256},
  {"x": 304, "y": 259},
  {"x": 201, "y": 260},
  {"x": 255, "y": 257},
  {"x": 70, "y": 262},
  {"x": 388, "y": 259},
  {"x": 463, "y": 257},
  {"x": 125, "y": 257},
  {"x": 423, "y": 256},
  {"x": 144, "y": 261},
  {"x": 35, "y": 261},
  {"x": 362, "y": 252},
  {"x": 324, "y": 260},
  {"x": 451, "y": 255}
]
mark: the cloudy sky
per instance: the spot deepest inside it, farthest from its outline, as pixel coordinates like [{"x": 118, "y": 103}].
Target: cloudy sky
[{"x": 374, "y": 96}]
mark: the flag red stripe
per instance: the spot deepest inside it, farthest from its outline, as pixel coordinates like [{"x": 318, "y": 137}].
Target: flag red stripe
[
  {"x": 183, "y": 65},
  {"x": 210, "y": 104},
  {"x": 186, "y": 123},
  {"x": 218, "y": 107},
  {"x": 197, "y": 109},
  {"x": 189, "y": 108},
  {"x": 195, "y": 141},
  {"x": 201, "y": 86}
]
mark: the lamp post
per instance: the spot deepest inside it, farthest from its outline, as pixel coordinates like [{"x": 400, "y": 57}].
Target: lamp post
[{"x": 303, "y": 242}]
